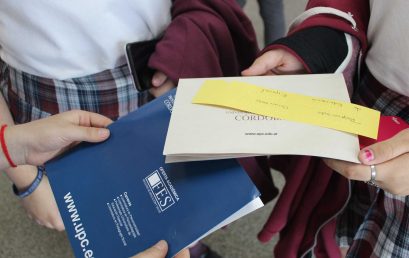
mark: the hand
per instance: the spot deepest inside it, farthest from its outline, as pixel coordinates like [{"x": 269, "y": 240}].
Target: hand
[
  {"x": 159, "y": 250},
  {"x": 36, "y": 142},
  {"x": 275, "y": 62},
  {"x": 391, "y": 158},
  {"x": 42, "y": 207},
  {"x": 161, "y": 84}
]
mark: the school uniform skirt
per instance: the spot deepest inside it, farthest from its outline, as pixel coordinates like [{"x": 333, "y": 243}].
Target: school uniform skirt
[
  {"x": 375, "y": 223},
  {"x": 110, "y": 93}
]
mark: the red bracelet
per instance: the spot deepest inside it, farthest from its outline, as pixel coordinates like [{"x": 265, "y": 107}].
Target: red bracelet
[{"x": 4, "y": 146}]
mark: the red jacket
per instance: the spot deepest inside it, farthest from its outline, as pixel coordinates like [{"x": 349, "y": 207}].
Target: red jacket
[{"x": 205, "y": 39}]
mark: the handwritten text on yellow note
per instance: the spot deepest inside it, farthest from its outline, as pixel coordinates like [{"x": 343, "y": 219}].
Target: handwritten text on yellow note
[{"x": 323, "y": 112}]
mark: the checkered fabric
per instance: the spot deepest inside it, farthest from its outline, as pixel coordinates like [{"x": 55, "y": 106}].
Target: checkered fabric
[
  {"x": 110, "y": 93},
  {"x": 376, "y": 223}
]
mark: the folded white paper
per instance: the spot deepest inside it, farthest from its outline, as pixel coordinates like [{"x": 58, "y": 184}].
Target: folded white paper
[{"x": 202, "y": 132}]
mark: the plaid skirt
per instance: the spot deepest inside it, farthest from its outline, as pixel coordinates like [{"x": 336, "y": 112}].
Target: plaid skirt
[
  {"x": 375, "y": 223},
  {"x": 110, "y": 93}
]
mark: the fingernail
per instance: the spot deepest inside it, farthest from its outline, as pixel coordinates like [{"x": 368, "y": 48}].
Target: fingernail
[
  {"x": 161, "y": 245},
  {"x": 103, "y": 133},
  {"x": 369, "y": 155}
]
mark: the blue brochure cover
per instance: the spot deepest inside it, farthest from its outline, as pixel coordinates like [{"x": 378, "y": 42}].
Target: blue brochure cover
[{"x": 119, "y": 197}]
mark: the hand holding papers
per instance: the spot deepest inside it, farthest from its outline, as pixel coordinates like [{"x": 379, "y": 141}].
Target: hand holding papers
[{"x": 201, "y": 132}]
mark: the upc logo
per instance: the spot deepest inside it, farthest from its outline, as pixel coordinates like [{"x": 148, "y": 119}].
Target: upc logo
[{"x": 161, "y": 194}]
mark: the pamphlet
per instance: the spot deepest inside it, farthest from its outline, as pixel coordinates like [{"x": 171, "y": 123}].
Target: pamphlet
[{"x": 118, "y": 197}]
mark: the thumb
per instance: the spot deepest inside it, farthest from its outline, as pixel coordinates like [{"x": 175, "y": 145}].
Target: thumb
[
  {"x": 385, "y": 150},
  {"x": 264, "y": 64},
  {"x": 158, "y": 78},
  {"x": 87, "y": 134},
  {"x": 159, "y": 250}
]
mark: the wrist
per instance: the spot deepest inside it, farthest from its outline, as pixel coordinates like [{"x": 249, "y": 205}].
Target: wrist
[
  {"x": 15, "y": 144},
  {"x": 22, "y": 193},
  {"x": 22, "y": 176}
]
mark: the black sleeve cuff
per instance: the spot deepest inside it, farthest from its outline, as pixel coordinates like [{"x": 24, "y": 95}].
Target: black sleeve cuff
[{"x": 322, "y": 49}]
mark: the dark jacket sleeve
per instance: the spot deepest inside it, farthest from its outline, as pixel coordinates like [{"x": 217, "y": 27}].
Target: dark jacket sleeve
[
  {"x": 321, "y": 49},
  {"x": 357, "y": 9},
  {"x": 205, "y": 39},
  {"x": 317, "y": 39}
]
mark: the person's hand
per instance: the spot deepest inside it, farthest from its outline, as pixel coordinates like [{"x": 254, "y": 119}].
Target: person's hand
[
  {"x": 275, "y": 62},
  {"x": 36, "y": 142},
  {"x": 161, "y": 84},
  {"x": 391, "y": 158},
  {"x": 42, "y": 207},
  {"x": 159, "y": 250}
]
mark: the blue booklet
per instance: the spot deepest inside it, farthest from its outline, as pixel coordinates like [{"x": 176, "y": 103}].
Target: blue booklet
[{"x": 119, "y": 197}]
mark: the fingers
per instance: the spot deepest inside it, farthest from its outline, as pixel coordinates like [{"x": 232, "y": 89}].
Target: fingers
[
  {"x": 159, "y": 250},
  {"x": 86, "y": 126},
  {"x": 158, "y": 78},
  {"x": 87, "y": 134},
  {"x": 97, "y": 120},
  {"x": 350, "y": 170},
  {"x": 393, "y": 175},
  {"x": 161, "y": 83},
  {"x": 82, "y": 118},
  {"x": 167, "y": 86},
  {"x": 386, "y": 150},
  {"x": 264, "y": 64},
  {"x": 359, "y": 172},
  {"x": 277, "y": 61},
  {"x": 183, "y": 254},
  {"x": 85, "y": 118}
]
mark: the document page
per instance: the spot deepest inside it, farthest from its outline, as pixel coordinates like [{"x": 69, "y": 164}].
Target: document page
[{"x": 202, "y": 132}]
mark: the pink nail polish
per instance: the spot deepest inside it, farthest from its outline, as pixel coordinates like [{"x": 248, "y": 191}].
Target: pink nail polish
[{"x": 369, "y": 155}]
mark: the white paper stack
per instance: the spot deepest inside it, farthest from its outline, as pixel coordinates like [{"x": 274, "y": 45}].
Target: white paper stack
[{"x": 202, "y": 132}]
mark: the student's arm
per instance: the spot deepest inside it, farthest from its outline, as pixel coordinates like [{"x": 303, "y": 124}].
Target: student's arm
[
  {"x": 36, "y": 142},
  {"x": 312, "y": 50},
  {"x": 21, "y": 176},
  {"x": 32, "y": 144},
  {"x": 319, "y": 40},
  {"x": 40, "y": 205}
]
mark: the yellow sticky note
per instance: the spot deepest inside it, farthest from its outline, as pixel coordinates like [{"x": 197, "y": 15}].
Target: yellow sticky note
[{"x": 323, "y": 112}]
